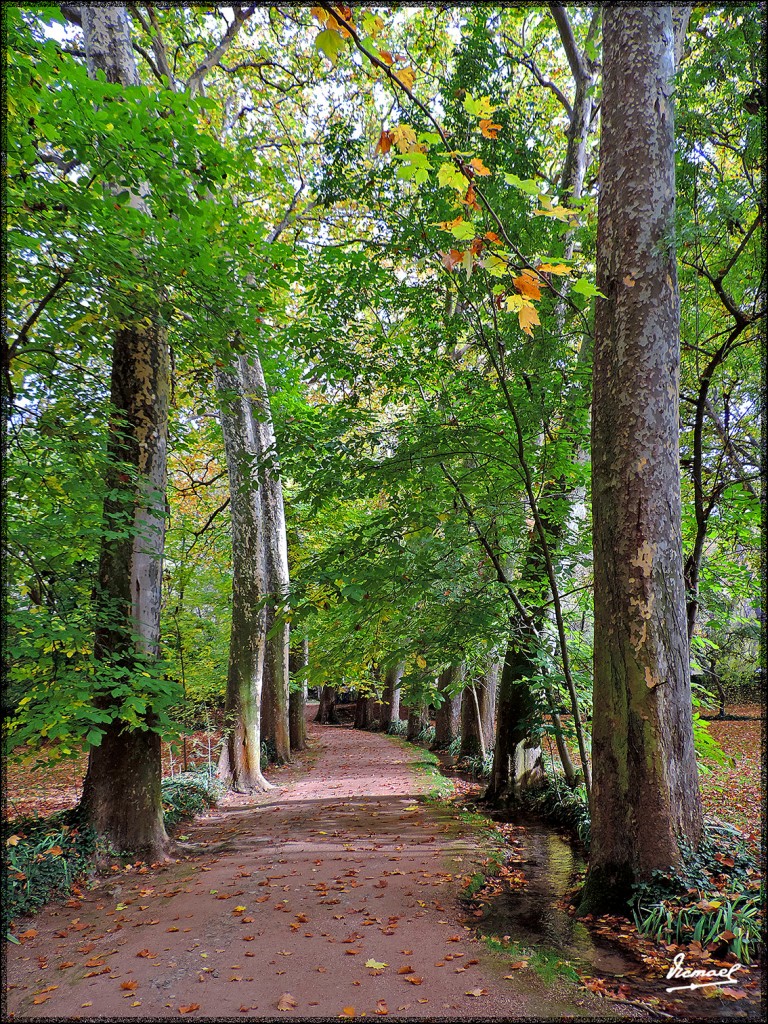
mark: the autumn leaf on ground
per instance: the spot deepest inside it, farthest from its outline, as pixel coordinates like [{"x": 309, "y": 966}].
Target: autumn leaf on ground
[
  {"x": 189, "y": 1009},
  {"x": 348, "y": 1011},
  {"x": 376, "y": 964},
  {"x": 405, "y": 969},
  {"x": 381, "y": 1007},
  {"x": 413, "y": 979},
  {"x": 129, "y": 986},
  {"x": 489, "y": 129},
  {"x": 476, "y": 992},
  {"x": 286, "y": 1002}
]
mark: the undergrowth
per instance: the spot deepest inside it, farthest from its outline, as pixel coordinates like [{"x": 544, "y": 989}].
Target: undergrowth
[{"x": 45, "y": 856}]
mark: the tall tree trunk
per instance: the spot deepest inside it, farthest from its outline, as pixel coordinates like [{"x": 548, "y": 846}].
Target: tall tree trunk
[
  {"x": 121, "y": 796},
  {"x": 326, "y": 713},
  {"x": 299, "y": 659},
  {"x": 390, "y": 698},
  {"x": 477, "y": 717},
  {"x": 275, "y": 727},
  {"x": 418, "y": 720},
  {"x": 240, "y": 763},
  {"x": 448, "y": 714},
  {"x": 364, "y": 712},
  {"x": 645, "y": 797}
]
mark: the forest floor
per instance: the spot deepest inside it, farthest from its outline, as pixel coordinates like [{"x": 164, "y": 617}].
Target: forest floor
[{"x": 335, "y": 895}]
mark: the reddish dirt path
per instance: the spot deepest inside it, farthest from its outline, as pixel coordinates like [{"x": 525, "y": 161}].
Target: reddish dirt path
[{"x": 341, "y": 864}]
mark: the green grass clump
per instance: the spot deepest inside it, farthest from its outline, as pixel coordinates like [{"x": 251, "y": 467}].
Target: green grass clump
[
  {"x": 547, "y": 963},
  {"x": 189, "y": 794}
]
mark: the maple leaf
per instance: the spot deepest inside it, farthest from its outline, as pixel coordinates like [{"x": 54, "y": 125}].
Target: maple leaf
[
  {"x": 481, "y": 107},
  {"x": 449, "y": 175},
  {"x": 489, "y": 129},
  {"x": 470, "y": 199},
  {"x": 528, "y": 318},
  {"x": 404, "y": 137},
  {"x": 286, "y": 1002},
  {"x": 558, "y": 212},
  {"x": 189, "y": 1009},
  {"x": 387, "y": 57},
  {"x": 384, "y": 144},
  {"x": 330, "y": 43},
  {"x": 468, "y": 261},
  {"x": 479, "y": 167},
  {"x": 376, "y": 964},
  {"x": 527, "y": 285},
  {"x": 556, "y": 268},
  {"x": 495, "y": 265},
  {"x": 129, "y": 986},
  {"x": 407, "y": 76},
  {"x": 319, "y": 13}
]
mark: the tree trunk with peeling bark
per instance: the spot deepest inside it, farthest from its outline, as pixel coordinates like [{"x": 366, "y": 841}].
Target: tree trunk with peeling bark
[
  {"x": 645, "y": 796},
  {"x": 121, "y": 796},
  {"x": 275, "y": 727},
  {"x": 448, "y": 714},
  {"x": 478, "y": 706},
  {"x": 240, "y": 762},
  {"x": 390, "y": 698}
]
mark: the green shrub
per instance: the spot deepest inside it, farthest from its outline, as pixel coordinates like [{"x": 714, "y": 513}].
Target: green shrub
[
  {"x": 567, "y": 808},
  {"x": 43, "y": 857},
  {"x": 477, "y": 765},
  {"x": 397, "y": 727},
  {"x": 190, "y": 793},
  {"x": 454, "y": 746},
  {"x": 426, "y": 736}
]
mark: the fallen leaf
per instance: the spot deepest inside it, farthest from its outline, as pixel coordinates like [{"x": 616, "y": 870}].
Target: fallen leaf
[
  {"x": 405, "y": 969},
  {"x": 476, "y": 992},
  {"x": 189, "y": 1009},
  {"x": 286, "y": 1002},
  {"x": 381, "y": 1007},
  {"x": 129, "y": 986},
  {"x": 414, "y": 980},
  {"x": 376, "y": 964}
]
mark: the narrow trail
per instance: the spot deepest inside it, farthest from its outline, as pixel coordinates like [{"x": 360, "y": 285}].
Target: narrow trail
[{"x": 292, "y": 894}]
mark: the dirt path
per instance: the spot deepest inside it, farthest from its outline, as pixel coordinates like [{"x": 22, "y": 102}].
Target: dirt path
[{"x": 342, "y": 865}]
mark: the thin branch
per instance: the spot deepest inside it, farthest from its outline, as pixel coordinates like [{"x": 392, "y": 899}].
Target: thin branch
[
  {"x": 240, "y": 17},
  {"x": 576, "y": 63}
]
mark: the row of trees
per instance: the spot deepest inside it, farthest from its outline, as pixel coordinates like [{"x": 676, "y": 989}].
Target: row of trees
[{"x": 366, "y": 241}]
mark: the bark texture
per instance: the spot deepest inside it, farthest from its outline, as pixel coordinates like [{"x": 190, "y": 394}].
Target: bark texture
[
  {"x": 299, "y": 659},
  {"x": 326, "y": 712},
  {"x": 418, "y": 720},
  {"x": 390, "y": 698},
  {"x": 365, "y": 712},
  {"x": 240, "y": 763},
  {"x": 121, "y": 796},
  {"x": 645, "y": 796},
  {"x": 275, "y": 726},
  {"x": 478, "y": 715},
  {"x": 448, "y": 714}
]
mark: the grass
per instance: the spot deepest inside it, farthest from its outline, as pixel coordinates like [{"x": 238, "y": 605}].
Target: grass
[{"x": 547, "y": 963}]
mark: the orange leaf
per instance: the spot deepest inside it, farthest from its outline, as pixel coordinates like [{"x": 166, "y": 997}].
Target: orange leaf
[
  {"x": 386, "y": 56},
  {"x": 286, "y": 1002},
  {"x": 189, "y": 1009},
  {"x": 407, "y": 969},
  {"x": 528, "y": 318},
  {"x": 470, "y": 199},
  {"x": 528, "y": 285},
  {"x": 349, "y": 1011},
  {"x": 40, "y": 999},
  {"x": 384, "y": 144},
  {"x": 452, "y": 259},
  {"x": 67, "y": 963},
  {"x": 414, "y": 980},
  {"x": 129, "y": 986},
  {"x": 489, "y": 129},
  {"x": 381, "y": 1007},
  {"x": 478, "y": 166},
  {"x": 492, "y": 237},
  {"x": 142, "y": 952}
]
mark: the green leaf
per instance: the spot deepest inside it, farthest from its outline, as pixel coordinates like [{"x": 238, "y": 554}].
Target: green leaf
[
  {"x": 586, "y": 288},
  {"x": 449, "y": 176},
  {"x": 528, "y": 185},
  {"x": 330, "y": 44}
]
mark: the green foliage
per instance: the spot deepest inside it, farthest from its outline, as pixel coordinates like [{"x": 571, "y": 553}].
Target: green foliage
[
  {"x": 564, "y": 807},
  {"x": 43, "y": 857},
  {"x": 190, "y": 793},
  {"x": 715, "y": 898}
]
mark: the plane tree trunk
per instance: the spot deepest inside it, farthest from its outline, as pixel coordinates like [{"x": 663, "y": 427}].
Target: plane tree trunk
[
  {"x": 645, "y": 796},
  {"x": 121, "y": 796},
  {"x": 448, "y": 714}
]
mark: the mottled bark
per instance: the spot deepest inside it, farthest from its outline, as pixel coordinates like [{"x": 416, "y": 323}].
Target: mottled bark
[
  {"x": 448, "y": 714},
  {"x": 240, "y": 763},
  {"x": 326, "y": 712},
  {"x": 645, "y": 796},
  {"x": 299, "y": 659},
  {"x": 121, "y": 796},
  {"x": 275, "y": 728},
  {"x": 418, "y": 720},
  {"x": 390, "y": 698},
  {"x": 478, "y": 708}
]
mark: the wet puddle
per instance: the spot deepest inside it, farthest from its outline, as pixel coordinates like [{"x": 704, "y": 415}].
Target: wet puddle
[{"x": 534, "y": 917}]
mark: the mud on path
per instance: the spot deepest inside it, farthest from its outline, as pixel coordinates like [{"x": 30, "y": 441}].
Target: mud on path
[{"x": 278, "y": 913}]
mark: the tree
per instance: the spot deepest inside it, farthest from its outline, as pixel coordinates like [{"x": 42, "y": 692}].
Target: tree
[
  {"x": 645, "y": 799},
  {"x": 448, "y": 712},
  {"x": 121, "y": 795}
]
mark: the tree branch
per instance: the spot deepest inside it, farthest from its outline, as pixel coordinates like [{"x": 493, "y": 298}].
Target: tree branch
[
  {"x": 576, "y": 63},
  {"x": 240, "y": 17}
]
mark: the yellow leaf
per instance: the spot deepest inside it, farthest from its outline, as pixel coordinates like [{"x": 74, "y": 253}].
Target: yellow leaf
[
  {"x": 528, "y": 318},
  {"x": 489, "y": 129},
  {"x": 404, "y": 137},
  {"x": 407, "y": 76},
  {"x": 556, "y": 268},
  {"x": 514, "y": 303},
  {"x": 559, "y": 212},
  {"x": 421, "y": 662},
  {"x": 375, "y": 964}
]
